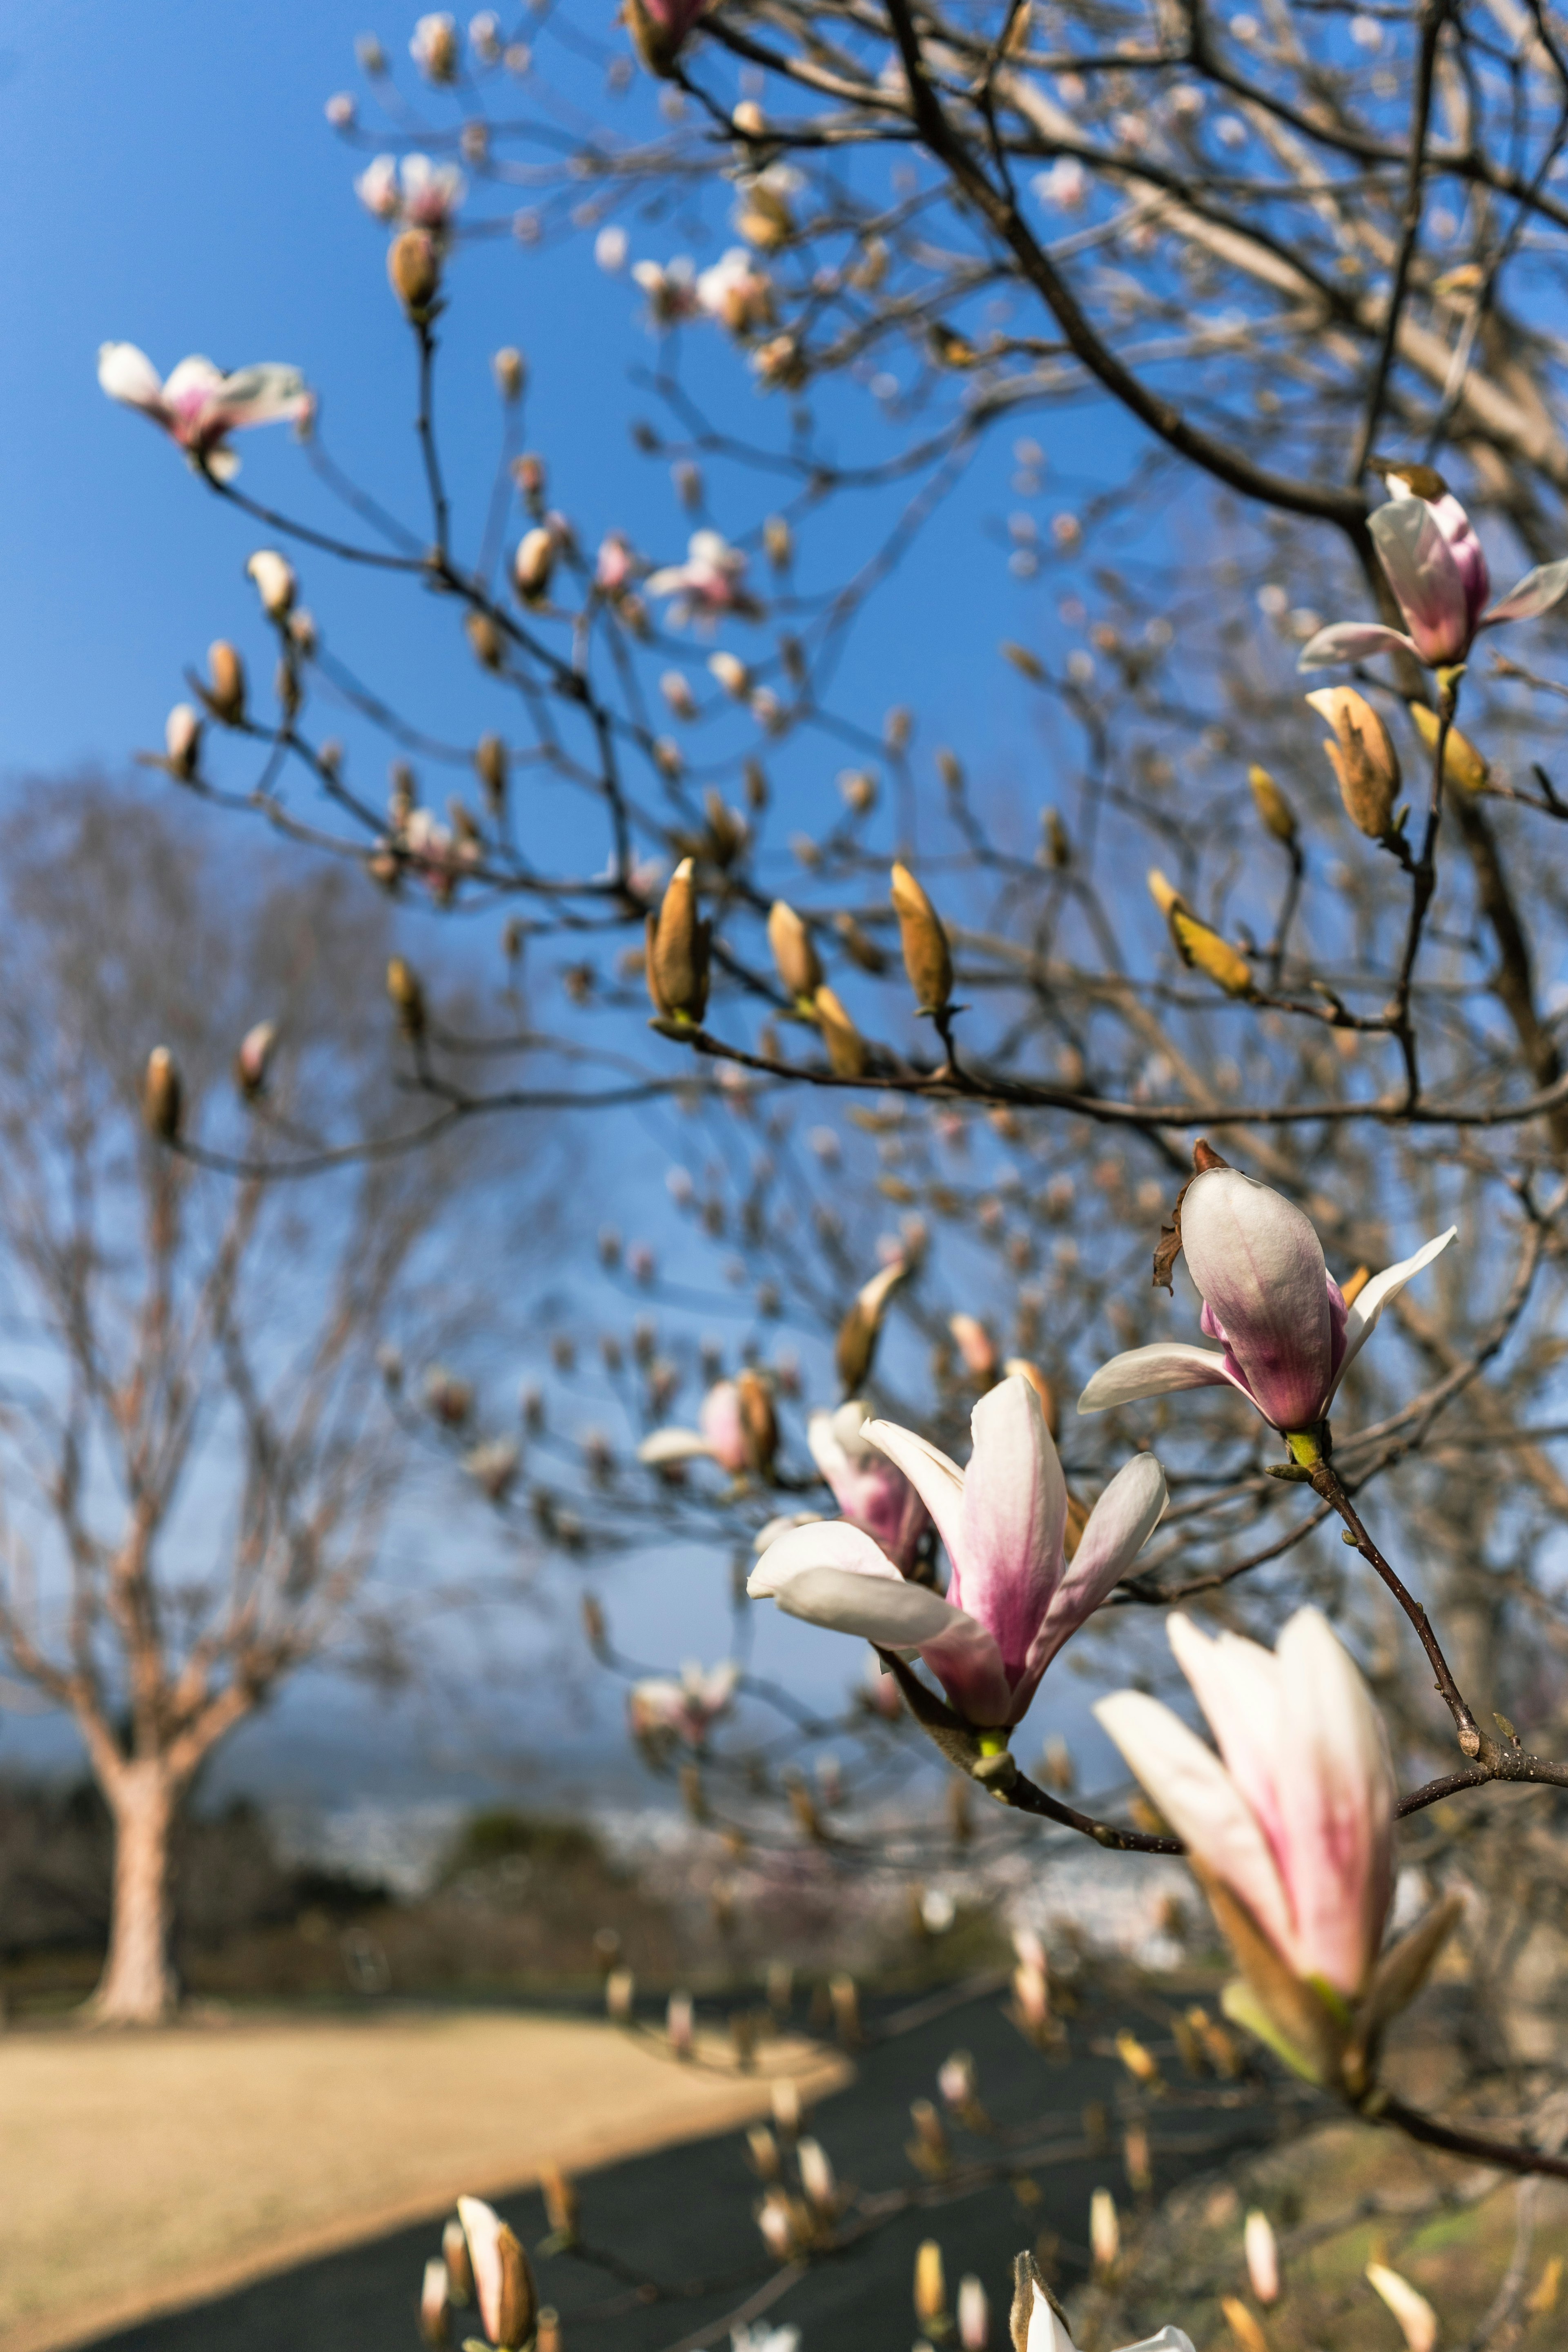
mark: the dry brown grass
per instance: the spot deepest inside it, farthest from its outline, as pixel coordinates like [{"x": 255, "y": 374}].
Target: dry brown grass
[{"x": 139, "y": 2171}]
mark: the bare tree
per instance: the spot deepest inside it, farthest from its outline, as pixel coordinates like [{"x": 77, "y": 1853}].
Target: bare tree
[{"x": 197, "y": 1449}]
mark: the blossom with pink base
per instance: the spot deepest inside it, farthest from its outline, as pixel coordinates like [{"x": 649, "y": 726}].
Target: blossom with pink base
[
  {"x": 871, "y": 1491},
  {"x": 1287, "y": 1337},
  {"x": 661, "y": 29},
  {"x": 707, "y": 583},
  {"x": 1433, "y": 562},
  {"x": 198, "y": 406},
  {"x": 689, "y": 1708},
  {"x": 1013, "y": 1599}
]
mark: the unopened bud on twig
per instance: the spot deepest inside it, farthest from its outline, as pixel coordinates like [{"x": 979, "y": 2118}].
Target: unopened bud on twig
[
  {"x": 224, "y": 694},
  {"x": 846, "y": 1047},
  {"x": 928, "y": 959},
  {"x": 162, "y": 1095},
  {"x": 560, "y": 2196},
  {"x": 183, "y": 740},
  {"x": 1104, "y": 2230},
  {"x": 491, "y": 767},
  {"x": 1272, "y": 805},
  {"x": 275, "y": 582},
  {"x": 974, "y": 1344},
  {"x": 503, "y": 2282},
  {"x": 859, "y": 1333},
  {"x": 816, "y": 2177},
  {"x": 484, "y": 639},
  {"x": 973, "y": 2315},
  {"x": 677, "y": 952},
  {"x": 1262, "y": 2258},
  {"x": 1200, "y": 948},
  {"x": 1462, "y": 763},
  {"x": 1362, "y": 757},
  {"x": 407, "y": 996},
  {"x": 434, "y": 2302},
  {"x": 793, "y": 954},
  {"x": 930, "y": 2284},
  {"x": 510, "y": 373},
  {"x": 533, "y": 563},
  {"x": 414, "y": 267},
  {"x": 254, "y": 1058},
  {"x": 455, "y": 2255},
  {"x": 1417, "y": 2320}
]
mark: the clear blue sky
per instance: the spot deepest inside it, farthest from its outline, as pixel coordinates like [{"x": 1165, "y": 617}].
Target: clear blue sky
[{"x": 174, "y": 183}]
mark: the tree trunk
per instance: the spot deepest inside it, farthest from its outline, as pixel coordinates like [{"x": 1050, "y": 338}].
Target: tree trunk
[{"x": 137, "y": 1985}]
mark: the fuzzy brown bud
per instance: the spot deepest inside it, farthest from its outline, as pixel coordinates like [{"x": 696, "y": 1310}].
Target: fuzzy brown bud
[
  {"x": 1200, "y": 948},
  {"x": 491, "y": 767},
  {"x": 846, "y": 1047},
  {"x": 758, "y": 1421},
  {"x": 510, "y": 374},
  {"x": 1462, "y": 763},
  {"x": 161, "y": 1095},
  {"x": 1364, "y": 759},
  {"x": 225, "y": 695},
  {"x": 403, "y": 987},
  {"x": 793, "y": 955},
  {"x": 1272, "y": 806},
  {"x": 414, "y": 267},
  {"x": 677, "y": 951},
  {"x": 928, "y": 959},
  {"x": 533, "y": 563}
]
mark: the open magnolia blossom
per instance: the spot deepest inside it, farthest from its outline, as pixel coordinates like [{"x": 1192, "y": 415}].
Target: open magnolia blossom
[
  {"x": 670, "y": 287},
  {"x": 1013, "y": 1599},
  {"x": 689, "y": 1708},
  {"x": 737, "y": 293},
  {"x": 1037, "y": 2327},
  {"x": 735, "y": 1428},
  {"x": 1288, "y": 1336},
  {"x": 419, "y": 195},
  {"x": 871, "y": 1491},
  {"x": 1433, "y": 560},
  {"x": 1291, "y": 1830},
  {"x": 198, "y": 406},
  {"x": 709, "y": 582}
]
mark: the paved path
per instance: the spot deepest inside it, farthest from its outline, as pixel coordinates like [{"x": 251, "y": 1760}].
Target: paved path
[{"x": 687, "y": 2211}]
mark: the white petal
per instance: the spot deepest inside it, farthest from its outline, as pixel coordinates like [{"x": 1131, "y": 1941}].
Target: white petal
[
  {"x": 192, "y": 374},
  {"x": 1046, "y": 2332},
  {"x": 1259, "y": 1266},
  {"x": 1169, "y": 2339},
  {"x": 1196, "y": 1795},
  {"x": 127, "y": 374},
  {"x": 1155, "y": 1372},
  {"x": 820, "y": 1543},
  {"x": 1536, "y": 592},
  {"x": 1015, "y": 1512},
  {"x": 884, "y": 1609},
  {"x": 267, "y": 394},
  {"x": 1360, "y": 1319},
  {"x": 674, "y": 1446},
  {"x": 1118, "y": 1527},
  {"x": 938, "y": 1482},
  {"x": 1351, "y": 641}
]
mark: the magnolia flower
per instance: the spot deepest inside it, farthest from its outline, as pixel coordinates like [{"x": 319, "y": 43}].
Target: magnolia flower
[
  {"x": 1262, "y": 2254},
  {"x": 735, "y": 1428},
  {"x": 182, "y": 738},
  {"x": 198, "y": 406},
  {"x": 503, "y": 2282},
  {"x": 614, "y": 567},
  {"x": 431, "y": 192},
  {"x": 1038, "y": 2328},
  {"x": 610, "y": 248},
  {"x": 1290, "y": 1829},
  {"x": 709, "y": 582},
  {"x": 737, "y": 293},
  {"x": 1288, "y": 1336},
  {"x": 688, "y": 1708},
  {"x": 659, "y": 30},
  {"x": 1427, "y": 546},
  {"x": 871, "y": 1491},
  {"x": 434, "y": 2303},
  {"x": 1066, "y": 183},
  {"x": 670, "y": 287},
  {"x": 275, "y": 582},
  {"x": 433, "y": 47},
  {"x": 377, "y": 188},
  {"x": 1013, "y": 1599}
]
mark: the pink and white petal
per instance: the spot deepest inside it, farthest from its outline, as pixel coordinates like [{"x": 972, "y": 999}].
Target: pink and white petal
[
  {"x": 1158, "y": 1371},
  {"x": 1117, "y": 1529},
  {"x": 1338, "y": 1800},
  {"x": 1196, "y": 1795},
  {"x": 1351, "y": 641},
  {"x": 937, "y": 1481},
  {"x": 1170, "y": 2339},
  {"x": 1425, "y": 576},
  {"x": 1360, "y": 1319},
  {"x": 879, "y": 1609},
  {"x": 1237, "y": 1685},
  {"x": 822, "y": 1543},
  {"x": 194, "y": 378},
  {"x": 674, "y": 1446},
  {"x": 968, "y": 1663},
  {"x": 1260, "y": 1266},
  {"x": 482, "y": 2228},
  {"x": 267, "y": 394},
  {"x": 127, "y": 374},
  {"x": 1014, "y": 1515},
  {"x": 1537, "y": 592},
  {"x": 1046, "y": 2332}
]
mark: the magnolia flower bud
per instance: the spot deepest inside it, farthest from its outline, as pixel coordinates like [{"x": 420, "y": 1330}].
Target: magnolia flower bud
[
  {"x": 162, "y": 1095},
  {"x": 225, "y": 686},
  {"x": 930, "y": 2284},
  {"x": 183, "y": 740},
  {"x": 778, "y": 541},
  {"x": 846, "y": 1047},
  {"x": 677, "y": 949},
  {"x": 731, "y": 674},
  {"x": 973, "y": 2315},
  {"x": 1362, "y": 757},
  {"x": 1104, "y": 2229},
  {"x": 816, "y": 2176},
  {"x": 927, "y": 957},
  {"x": 1200, "y": 948},
  {"x": 434, "y": 49},
  {"x": 758, "y": 1423},
  {"x": 510, "y": 372},
  {"x": 533, "y": 563},
  {"x": 434, "y": 2303},
  {"x": 251, "y": 1064},
  {"x": 1462, "y": 763},
  {"x": 974, "y": 1344},
  {"x": 275, "y": 582},
  {"x": 1262, "y": 2258},
  {"x": 764, "y": 2150},
  {"x": 858, "y": 1334},
  {"x": 484, "y": 639},
  {"x": 1272, "y": 805},
  {"x": 560, "y": 2196},
  {"x": 503, "y": 2282},
  {"x": 414, "y": 269},
  {"x": 407, "y": 997},
  {"x": 1417, "y": 2320},
  {"x": 748, "y": 119},
  {"x": 783, "y": 2095},
  {"x": 455, "y": 2256},
  {"x": 491, "y": 767},
  {"x": 793, "y": 955}
]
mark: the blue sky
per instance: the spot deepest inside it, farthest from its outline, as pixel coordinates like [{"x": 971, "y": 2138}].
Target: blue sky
[{"x": 179, "y": 187}]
